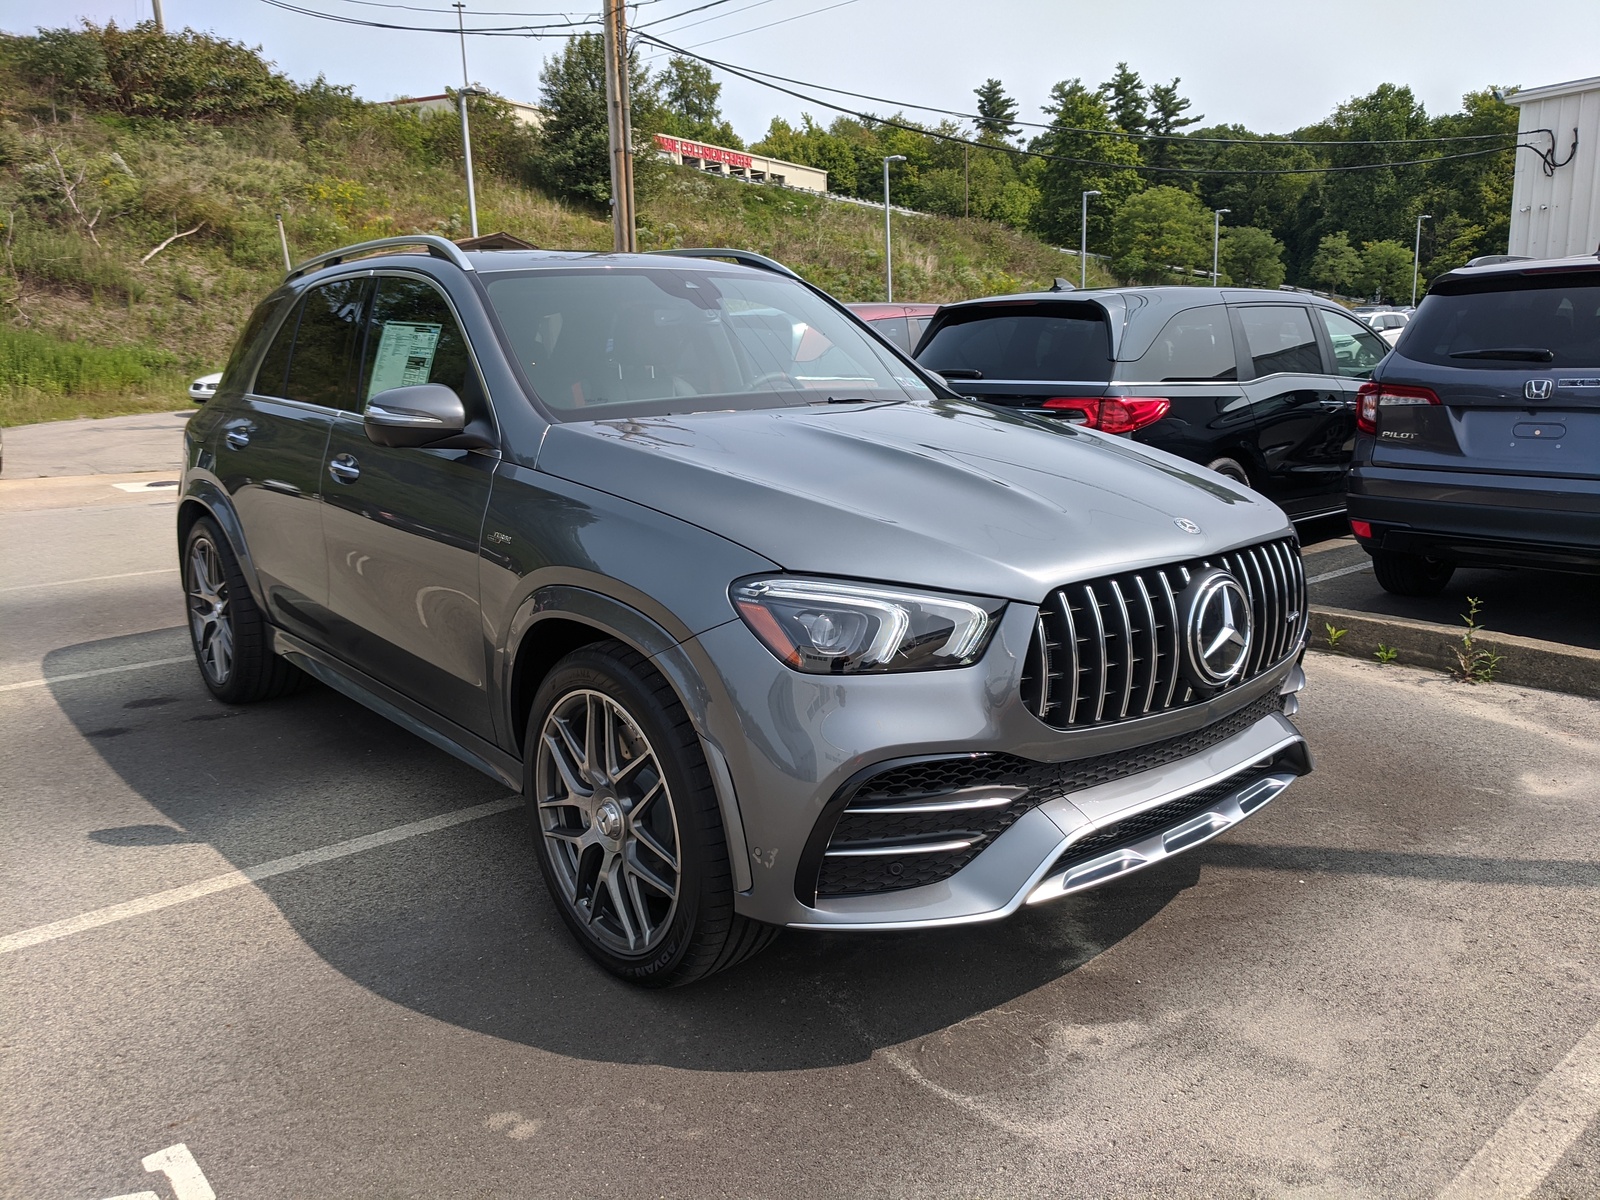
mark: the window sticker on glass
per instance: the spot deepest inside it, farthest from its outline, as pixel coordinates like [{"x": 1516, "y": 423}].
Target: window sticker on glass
[{"x": 405, "y": 356}]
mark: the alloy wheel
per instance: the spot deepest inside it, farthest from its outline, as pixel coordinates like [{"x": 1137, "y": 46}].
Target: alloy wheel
[
  {"x": 210, "y": 622},
  {"x": 608, "y": 822}
]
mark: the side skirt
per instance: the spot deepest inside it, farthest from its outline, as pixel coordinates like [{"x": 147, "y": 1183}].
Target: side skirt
[{"x": 410, "y": 716}]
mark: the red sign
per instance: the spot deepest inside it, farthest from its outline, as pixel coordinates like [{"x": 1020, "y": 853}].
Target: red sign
[{"x": 703, "y": 152}]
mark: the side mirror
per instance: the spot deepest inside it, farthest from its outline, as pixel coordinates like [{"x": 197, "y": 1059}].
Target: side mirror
[{"x": 419, "y": 415}]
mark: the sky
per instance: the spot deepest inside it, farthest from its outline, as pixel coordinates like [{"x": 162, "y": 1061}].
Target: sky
[{"x": 1270, "y": 65}]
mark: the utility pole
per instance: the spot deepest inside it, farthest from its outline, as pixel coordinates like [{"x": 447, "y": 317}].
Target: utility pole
[
  {"x": 466, "y": 133},
  {"x": 624, "y": 239},
  {"x": 966, "y": 181},
  {"x": 888, "y": 236},
  {"x": 1216, "y": 243},
  {"x": 1083, "y": 239},
  {"x": 1416, "y": 257},
  {"x": 161, "y": 24}
]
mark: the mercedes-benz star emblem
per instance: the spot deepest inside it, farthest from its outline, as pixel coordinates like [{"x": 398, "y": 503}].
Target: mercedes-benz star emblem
[
  {"x": 1186, "y": 525},
  {"x": 1217, "y": 629}
]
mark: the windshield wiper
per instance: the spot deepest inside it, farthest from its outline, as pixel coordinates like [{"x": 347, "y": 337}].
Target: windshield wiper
[
  {"x": 1510, "y": 353},
  {"x": 960, "y": 373}
]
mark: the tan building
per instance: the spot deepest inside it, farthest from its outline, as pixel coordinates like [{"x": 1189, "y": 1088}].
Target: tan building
[{"x": 737, "y": 164}]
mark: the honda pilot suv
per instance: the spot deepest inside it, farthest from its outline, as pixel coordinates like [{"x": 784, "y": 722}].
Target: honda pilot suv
[
  {"x": 768, "y": 626},
  {"x": 1479, "y": 436}
]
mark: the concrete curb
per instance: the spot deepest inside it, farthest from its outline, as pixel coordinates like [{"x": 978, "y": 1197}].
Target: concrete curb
[{"x": 1527, "y": 662}]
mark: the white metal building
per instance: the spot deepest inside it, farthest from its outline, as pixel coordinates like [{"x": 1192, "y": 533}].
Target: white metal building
[
  {"x": 1555, "y": 198},
  {"x": 741, "y": 164}
]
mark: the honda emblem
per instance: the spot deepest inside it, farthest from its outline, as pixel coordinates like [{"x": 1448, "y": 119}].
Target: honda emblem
[{"x": 1538, "y": 389}]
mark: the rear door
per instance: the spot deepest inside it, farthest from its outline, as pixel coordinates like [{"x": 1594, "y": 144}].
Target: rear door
[
  {"x": 270, "y": 450},
  {"x": 1304, "y": 419},
  {"x": 1515, "y": 362},
  {"x": 402, "y": 525}
]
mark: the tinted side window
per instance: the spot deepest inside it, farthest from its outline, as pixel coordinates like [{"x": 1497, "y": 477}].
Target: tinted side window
[
  {"x": 1280, "y": 340},
  {"x": 1070, "y": 343},
  {"x": 1195, "y": 346},
  {"x": 330, "y": 322},
  {"x": 275, "y": 365},
  {"x": 1356, "y": 350},
  {"x": 245, "y": 346},
  {"x": 915, "y": 327},
  {"x": 414, "y": 339},
  {"x": 896, "y": 330}
]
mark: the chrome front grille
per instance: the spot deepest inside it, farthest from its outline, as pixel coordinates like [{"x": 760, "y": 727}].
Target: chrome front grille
[{"x": 1109, "y": 649}]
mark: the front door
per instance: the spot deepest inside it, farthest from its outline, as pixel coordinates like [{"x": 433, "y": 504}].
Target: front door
[
  {"x": 1302, "y": 415},
  {"x": 270, "y": 451},
  {"x": 402, "y": 525}
]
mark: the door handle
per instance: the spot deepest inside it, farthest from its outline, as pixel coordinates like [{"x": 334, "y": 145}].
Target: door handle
[
  {"x": 237, "y": 439},
  {"x": 345, "y": 468}
]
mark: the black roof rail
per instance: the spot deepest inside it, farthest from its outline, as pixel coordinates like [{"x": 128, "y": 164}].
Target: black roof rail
[
  {"x": 748, "y": 258},
  {"x": 436, "y": 246}
]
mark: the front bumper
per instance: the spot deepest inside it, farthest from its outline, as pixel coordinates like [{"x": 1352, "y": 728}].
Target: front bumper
[{"x": 793, "y": 744}]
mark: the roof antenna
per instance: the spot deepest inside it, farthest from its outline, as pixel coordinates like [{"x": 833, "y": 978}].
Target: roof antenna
[{"x": 1063, "y": 285}]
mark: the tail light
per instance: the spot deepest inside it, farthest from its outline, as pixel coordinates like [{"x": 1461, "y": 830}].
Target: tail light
[
  {"x": 1372, "y": 396},
  {"x": 1112, "y": 414},
  {"x": 1362, "y": 529}
]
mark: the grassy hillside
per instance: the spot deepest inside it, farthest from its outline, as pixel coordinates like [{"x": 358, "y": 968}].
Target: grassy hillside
[{"x": 91, "y": 325}]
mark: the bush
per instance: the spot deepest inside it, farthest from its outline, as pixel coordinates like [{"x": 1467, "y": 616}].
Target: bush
[{"x": 141, "y": 72}]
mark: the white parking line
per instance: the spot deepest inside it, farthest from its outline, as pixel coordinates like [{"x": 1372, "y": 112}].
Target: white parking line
[
  {"x": 1327, "y": 575},
  {"x": 23, "y": 587},
  {"x": 232, "y": 879},
  {"x": 1533, "y": 1139},
  {"x": 33, "y": 683}
]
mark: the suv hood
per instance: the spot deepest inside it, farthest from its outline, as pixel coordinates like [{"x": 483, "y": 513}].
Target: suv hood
[{"x": 946, "y": 495}]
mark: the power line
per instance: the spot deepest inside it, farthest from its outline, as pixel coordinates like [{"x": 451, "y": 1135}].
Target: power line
[
  {"x": 490, "y": 31},
  {"x": 703, "y": 20},
  {"x": 870, "y": 119},
  {"x": 782, "y": 21}
]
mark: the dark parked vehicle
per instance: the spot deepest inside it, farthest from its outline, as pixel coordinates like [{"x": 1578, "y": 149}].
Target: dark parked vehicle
[
  {"x": 902, "y": 324},
  {"x": 768, "y": 626},
  {"x": 1256, "y": 385},
  {"x": 1480, "y": 434}
]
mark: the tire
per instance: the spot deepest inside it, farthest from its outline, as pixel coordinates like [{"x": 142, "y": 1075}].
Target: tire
[
  {"x": 632, "y": 849},
  {"x": 1232, "y": 468},
  {"x": 231, "y": 637},
  {"x": 1410, "y": 574}
]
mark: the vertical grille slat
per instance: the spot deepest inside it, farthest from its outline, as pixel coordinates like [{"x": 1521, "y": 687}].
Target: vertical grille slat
[{"x": 1111, "y": 649}]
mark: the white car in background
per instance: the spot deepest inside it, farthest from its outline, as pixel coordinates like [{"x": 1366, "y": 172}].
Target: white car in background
[
  {"x": 205, "y": 387},
  {"x": 1388, "y": 324}
]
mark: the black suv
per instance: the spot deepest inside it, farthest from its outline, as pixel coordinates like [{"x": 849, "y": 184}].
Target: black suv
[
  {"x": 1480, "y": 435},
  {"x": 1259, "y": 386}
]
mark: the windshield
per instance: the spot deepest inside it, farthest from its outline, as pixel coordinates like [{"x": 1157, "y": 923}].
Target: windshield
[
  {"x": 1553, "y": 320},
  {"x": 1058, "y": 342},
  {"x": 645, "y": 342}
]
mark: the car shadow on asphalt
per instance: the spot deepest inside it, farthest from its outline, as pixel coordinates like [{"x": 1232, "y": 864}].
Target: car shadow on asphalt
[{"x": 456, "y": 924}]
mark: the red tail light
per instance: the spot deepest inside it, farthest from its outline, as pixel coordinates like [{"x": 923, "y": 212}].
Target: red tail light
[
  {"x": 1113, "y": 414},
  {"x": 1372, "y": 396},
  {"x": 1362, "y": 529}
]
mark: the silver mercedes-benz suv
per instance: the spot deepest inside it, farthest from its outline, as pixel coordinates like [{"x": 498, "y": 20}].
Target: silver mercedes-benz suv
[{"x": 768, "y": 626}]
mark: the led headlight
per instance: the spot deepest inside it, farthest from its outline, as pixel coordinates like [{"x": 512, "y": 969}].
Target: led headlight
[{"x": 830, "y": 628}]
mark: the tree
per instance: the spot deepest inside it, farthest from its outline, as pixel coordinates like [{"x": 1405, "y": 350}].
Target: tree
[
  {"x": 1385, "y": 271},
  {"x": 997, "y": 112},
  {"x": 688, "y": 104},
  {"x": 1125, "y": 97},
  {"x": 575, "y": 159},
  {"x": 1337, "y": 264},
  {"x": 1078, "y": 117},
  {"x": 1160, "y": 229},
  {"x": 1166, "y": 120},
  {"x": 1251, "y": 257}
]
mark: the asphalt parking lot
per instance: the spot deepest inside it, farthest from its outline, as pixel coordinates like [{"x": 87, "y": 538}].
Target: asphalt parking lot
[{"x": 314, "y": 951}]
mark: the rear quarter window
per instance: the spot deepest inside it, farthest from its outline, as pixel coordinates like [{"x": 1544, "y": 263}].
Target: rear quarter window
[
  {"x": 1555, "y": 314},
  {"x": 1061, "y": 342},
  {"x": 1196, "y": 346}
]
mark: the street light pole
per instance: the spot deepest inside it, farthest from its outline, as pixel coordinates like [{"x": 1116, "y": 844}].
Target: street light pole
[
  {"x": 888, "y": 237},
  {"x": 1416, "y": 256},
  {"x": 1216, "y": 243},
  {"x": 466, "y": 133},
  {"x": 1083, "y": 240}
]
